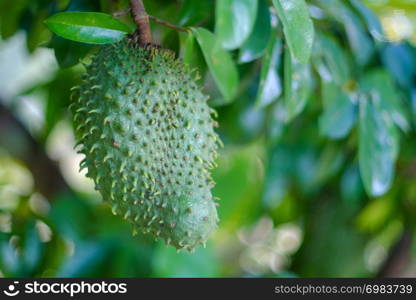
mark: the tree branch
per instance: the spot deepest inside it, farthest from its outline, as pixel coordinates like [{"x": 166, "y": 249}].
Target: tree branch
[
  {"x": 141, "y": 19},
  {"x": 398, "y": 258},
  {"x": 20, "y": 144},
  {"x": 139, "y": 14},
  {"x": 164, "y": 23},
  {"x": 122, "y": 12}
]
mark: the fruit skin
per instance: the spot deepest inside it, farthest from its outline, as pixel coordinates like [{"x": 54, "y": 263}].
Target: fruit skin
[{"x": 148, "y": 138}]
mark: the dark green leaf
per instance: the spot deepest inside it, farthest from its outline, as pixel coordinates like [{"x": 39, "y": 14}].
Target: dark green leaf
[
  {"x": 38, "y": 34},
  {"x": 297, "y": 26},
  {"x": 234, "y": 21},
  {"x": 9, "y": 260},
  {"x": 58, "y": 98},
  {"x": 331, "y": 159},
  {"x": 278, "y": 175},
  {"x": 378, "y": 148},
  {"x": 239, "y": 192},
  {"x": 339, "y": 113},
  {"x": 351, "y": 184},
  {"x": 276, "y": 123},
  {"x": 297, "y": 85},
  {"x": 87, "y": 27},
  {"x": 306, "y": 166},
  {"x": 219, "y": 63},
  {"x": 82, "y": 5},
  {"x": 242, "y": 122},
  {"x": 270, "y": 86},
  {"x": 88, "y": 257},
  {"x": 68, "y": 53},
  {"x": 329, "y": 229},
  {"x": 171, "y": 41},
  {"x": 257, "y": 42},
  {"x": 10, "y": 14},
  {"x": 33, "y": 249}
]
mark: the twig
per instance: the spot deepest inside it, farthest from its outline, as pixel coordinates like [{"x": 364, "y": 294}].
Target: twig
[
  {"x": 17, "y": 141},
  {"x": 141, "y": 19},
  {"x": 398, "y": 259},
  {"x": 164, "y": 23},
  {"x": 122, "y": 12}
]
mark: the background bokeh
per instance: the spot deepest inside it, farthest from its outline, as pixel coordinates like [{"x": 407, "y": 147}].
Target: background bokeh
[{"x": 292, "y": 200}]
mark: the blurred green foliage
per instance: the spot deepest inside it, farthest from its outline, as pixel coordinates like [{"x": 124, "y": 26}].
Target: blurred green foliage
[{"x": 317, "y": 176}]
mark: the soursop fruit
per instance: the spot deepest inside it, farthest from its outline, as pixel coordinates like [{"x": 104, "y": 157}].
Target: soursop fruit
[{"x": 148, "y": 138}]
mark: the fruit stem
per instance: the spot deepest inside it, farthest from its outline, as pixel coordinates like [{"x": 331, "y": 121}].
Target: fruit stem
[
  {"x": 141, "y": 18},
  {"x": 164, "y": 23}
]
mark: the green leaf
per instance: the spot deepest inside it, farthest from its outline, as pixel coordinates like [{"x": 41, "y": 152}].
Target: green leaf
[
  {"x": 335, "y": 58},
  {"x": 219, "y": 63},
  {"x": 87, "y": 27},
  {"x": 69, "y": 53},
  {"x": 257, "y": 42},
  {"x": 297, "y": 26},
  {"x": 270, "y": 86},
  {"x": 375, "y": 214},
  {"x": 191, "y": 52},
  {"x": 401, "y": 62},
  {"x": 373, "y": 23},
  {"x": 378, "y": 148},
  {"x": 297, "y": 85},
  {"x": 234, "y": 21},
  {"x": 339, "y": 113},
  {"x": 380, "y": 86},
  {"x": 360, "y": 42},
  {"x": 193, "y": 12}
]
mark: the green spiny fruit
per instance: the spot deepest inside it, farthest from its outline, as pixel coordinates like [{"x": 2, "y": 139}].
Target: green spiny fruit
[{"x": 148, "y": 138}]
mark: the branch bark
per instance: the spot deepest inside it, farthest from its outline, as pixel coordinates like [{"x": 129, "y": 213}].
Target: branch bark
[{"x": 141, "y": 19}]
